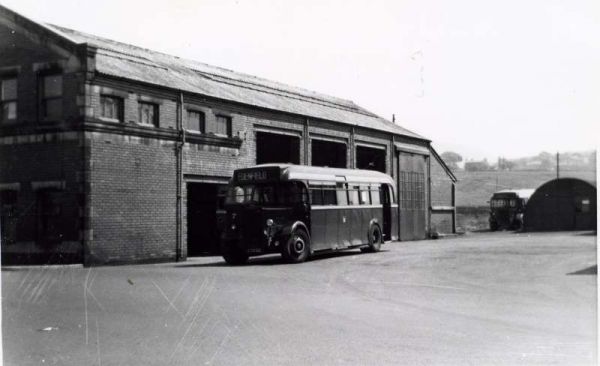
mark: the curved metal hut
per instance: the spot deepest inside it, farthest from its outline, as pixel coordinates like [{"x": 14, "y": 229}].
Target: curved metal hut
[{"x": 562, "y": 204}]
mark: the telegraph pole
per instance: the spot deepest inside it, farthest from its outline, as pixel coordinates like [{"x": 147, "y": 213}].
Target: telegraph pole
[{"x": 557, "y": 165}]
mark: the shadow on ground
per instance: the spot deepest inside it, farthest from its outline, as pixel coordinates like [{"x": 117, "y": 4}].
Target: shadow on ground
[
  {"x": 274, "y": 260},
  {"x": 593, "y": 270}
]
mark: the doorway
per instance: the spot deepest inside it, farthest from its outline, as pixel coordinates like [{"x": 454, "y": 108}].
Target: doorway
[{"x": 203, "y": 232}]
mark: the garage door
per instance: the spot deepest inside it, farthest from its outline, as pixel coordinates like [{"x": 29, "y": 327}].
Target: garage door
[{"x": 412, "y": 169}]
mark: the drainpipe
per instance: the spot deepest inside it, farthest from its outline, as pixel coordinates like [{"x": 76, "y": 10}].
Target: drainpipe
[{"x": 179, "y": 171}]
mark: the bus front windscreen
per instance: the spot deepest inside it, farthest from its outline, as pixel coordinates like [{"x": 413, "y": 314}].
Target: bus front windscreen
[{"x": 266, "y": 194}]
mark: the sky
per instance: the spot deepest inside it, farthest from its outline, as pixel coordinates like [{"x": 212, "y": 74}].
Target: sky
[{"x": 506, "y": 78}]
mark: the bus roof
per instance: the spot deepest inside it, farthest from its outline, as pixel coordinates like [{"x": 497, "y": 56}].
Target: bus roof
[
  {"x": 521, "y": 193},
  {"x": 314, "y": 173}
]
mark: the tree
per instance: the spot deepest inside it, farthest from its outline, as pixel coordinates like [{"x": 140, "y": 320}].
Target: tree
[
  {"x": 505, "y": 164},
  {"x": 451, "y": 159}
]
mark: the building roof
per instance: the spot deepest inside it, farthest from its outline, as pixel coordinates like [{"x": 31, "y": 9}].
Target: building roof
[{"x": 135, "y": 63}]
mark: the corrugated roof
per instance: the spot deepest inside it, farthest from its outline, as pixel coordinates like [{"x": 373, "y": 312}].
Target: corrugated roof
[{"x": 140, "y": 64}]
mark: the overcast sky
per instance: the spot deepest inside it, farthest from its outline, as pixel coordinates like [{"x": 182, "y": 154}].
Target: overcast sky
[{"x": 482, "y": 78}]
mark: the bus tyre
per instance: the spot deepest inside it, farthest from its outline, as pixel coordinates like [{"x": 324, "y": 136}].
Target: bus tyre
[
  {"x": 235, "y": 257},
  {"x": 297, "y": 247},
  {"x": 493, "y": 226},
  {"x": 374, "y": 240}
]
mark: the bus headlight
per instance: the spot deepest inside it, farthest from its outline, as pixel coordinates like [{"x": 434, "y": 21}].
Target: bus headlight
[{"x": 269, "y": 222}]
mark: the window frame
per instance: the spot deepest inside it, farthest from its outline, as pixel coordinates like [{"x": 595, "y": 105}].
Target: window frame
[
  {"x": 202, "y": 123},
  {"x": 44, "y": 99},
  {"x": 228, "y": 125},
  {"x": 155, "y": 111},
  {"x": 3, "y": 102},
  {"x": 120, "y": 107}
]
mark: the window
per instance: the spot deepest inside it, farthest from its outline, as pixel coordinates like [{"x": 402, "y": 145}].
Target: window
[
  {"x": 329, "y": 196},
  {"x": 583, "y": 205},
  {"x": 148, "y": 113},
  {"x": 52, "y": 89},
  {"x": 375, "y": 195},
  {"x": 196, "y": 122},
  {"x": 286, "y": 194},
  {"x": 111, "y": 107},
  {"x": 316, "y": 195},
  {"x": 8, "y": 99},
  {"x": 223, "y": 126},
  {"x": 498, "y": 203},
  {"x": 342, "y": 195},
  {"x": 353, "y": 195},
  {"x": 364, "y": 196}
]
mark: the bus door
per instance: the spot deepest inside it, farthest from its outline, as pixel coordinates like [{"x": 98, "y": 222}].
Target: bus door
[{"x": 386, "y": 201}]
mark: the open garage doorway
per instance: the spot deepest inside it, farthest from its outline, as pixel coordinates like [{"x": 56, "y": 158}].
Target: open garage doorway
[
  {"x": 327, "y": 153},
  {"x": 277, "y": 148},
  {"x": 204, "y": 201},
  {"x": 370, "y": 158}
]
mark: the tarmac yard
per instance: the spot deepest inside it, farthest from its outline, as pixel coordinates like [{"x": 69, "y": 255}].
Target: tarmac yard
[{"x": 480, "y": 299}]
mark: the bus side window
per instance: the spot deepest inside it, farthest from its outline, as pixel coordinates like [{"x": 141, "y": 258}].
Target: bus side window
[
  {"x": 364, "y": 195},
  {"x": 316, "y": 195},
  {"x": 329, "y": 195},
  {"x": 342, "y": 195},
  {"x": 375, "y": 199},
  {"x": 353, "y": 195}
]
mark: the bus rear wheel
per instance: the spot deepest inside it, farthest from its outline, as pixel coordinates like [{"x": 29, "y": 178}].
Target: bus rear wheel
[
  {"x": 297, "y": 247},
  {"x": 375, "y": 238}
]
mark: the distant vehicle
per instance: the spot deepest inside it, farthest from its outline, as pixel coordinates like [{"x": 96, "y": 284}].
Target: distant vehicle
[
  {"x": 507, "y": 208},
  {"x": 299, "y": 210}
]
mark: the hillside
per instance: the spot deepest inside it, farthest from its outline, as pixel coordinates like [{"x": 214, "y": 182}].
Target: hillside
[{"x": 475, "y": 188}]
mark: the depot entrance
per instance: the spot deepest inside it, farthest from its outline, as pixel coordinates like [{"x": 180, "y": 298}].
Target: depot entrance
[{"x": 204, "y": 203}]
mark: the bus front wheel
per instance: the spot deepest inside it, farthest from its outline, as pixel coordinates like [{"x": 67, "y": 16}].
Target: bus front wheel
[
  {"x": 374, "y": 240},
  {"x": 235, "y": 257},
  {"x": 297, "y": 247}
]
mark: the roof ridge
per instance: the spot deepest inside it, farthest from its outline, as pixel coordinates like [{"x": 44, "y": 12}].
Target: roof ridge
[
  {"x": 290, "y": 94},
  {"x": 346, "y": 103}
]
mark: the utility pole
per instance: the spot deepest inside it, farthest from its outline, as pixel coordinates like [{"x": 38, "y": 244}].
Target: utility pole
[{"x": 557, "y": 165}]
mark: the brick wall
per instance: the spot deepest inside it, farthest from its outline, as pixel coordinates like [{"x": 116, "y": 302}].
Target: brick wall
[
  {"x": 133, "y": 199},
  {"x": 441, "y": 196},
  {"x": 34, "y": 163}
]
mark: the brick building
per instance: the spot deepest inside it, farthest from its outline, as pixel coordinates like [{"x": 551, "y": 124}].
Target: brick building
[{"x": 110, "y": 153}]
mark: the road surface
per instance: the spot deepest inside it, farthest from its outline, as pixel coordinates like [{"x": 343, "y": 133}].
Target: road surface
[{"x": 479, "y": 299}]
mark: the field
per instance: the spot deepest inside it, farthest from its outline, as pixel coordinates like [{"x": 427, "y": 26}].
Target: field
[{"x": 474, "y": 189}]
